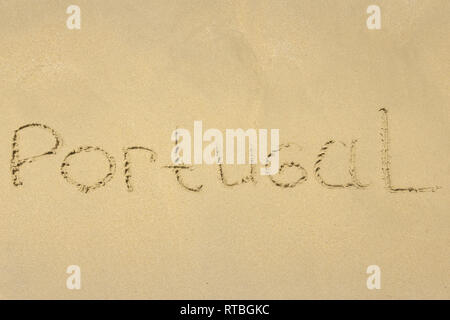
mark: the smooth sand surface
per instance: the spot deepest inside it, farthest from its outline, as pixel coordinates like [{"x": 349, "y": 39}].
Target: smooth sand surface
[{"x": 136, "y": 70}]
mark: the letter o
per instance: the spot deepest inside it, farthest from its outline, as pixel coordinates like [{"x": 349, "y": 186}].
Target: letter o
[{"x": 82, "y": 187}]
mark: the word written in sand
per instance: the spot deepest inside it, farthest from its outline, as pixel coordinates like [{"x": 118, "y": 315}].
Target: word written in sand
[{"x": 180, "y": 170}]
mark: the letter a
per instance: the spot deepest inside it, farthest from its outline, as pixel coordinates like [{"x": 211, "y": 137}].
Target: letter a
[
  {"x": 73, "y": 21},
  {"x": 374, "y": 21},
  {"x": 374, "y": 281},
  {"x": 74, "y": 280}
]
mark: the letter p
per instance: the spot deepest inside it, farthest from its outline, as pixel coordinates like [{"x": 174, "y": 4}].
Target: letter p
[{"x": 17, "y": 162}]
